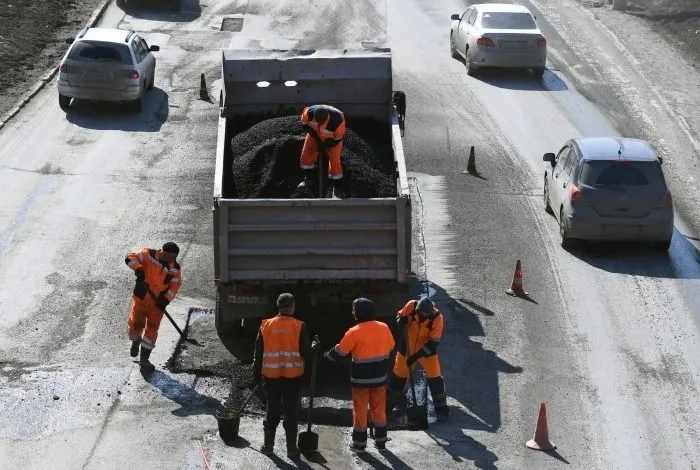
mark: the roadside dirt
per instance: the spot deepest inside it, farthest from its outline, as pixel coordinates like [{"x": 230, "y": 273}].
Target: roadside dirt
[{"x": 32, "y": 37}]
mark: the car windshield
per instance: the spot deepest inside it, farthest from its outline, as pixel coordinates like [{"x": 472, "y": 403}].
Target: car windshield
[
  {"x": 101, "y": 52},
  {"x": 506, "y": 20},
  {"x": 621, "y": 173}
]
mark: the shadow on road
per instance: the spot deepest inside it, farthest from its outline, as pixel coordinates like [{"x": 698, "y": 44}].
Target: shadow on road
[
  {"x": 191, "y": 402},
  {"x": 112, "y": 116},
  {"x": 522, "y": 80},
  {"x": 682, "y": 261}
]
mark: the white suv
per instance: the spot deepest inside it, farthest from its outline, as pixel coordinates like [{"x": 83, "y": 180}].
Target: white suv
[{"x": 106, "y": 64}]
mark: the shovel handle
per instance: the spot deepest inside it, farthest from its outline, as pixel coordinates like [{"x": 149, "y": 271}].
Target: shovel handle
[
  {"x": 313, "y": 386},
  {"x": 247, "y": 400}
]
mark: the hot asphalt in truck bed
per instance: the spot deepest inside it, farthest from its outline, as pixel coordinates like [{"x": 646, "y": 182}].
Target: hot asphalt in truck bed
[{"x": 266, "y": 160}]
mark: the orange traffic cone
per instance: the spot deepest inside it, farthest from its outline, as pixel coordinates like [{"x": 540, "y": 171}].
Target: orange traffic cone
[
  {"x": 516, "y": 287},
  {"x": 540, "y": 441}
]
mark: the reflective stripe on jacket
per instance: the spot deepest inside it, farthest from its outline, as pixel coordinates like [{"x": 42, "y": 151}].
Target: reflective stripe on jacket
[
  {"x": 425, "y": 334},
  {"x": 161, "y": 276},
  {"x": 370, "y": 344},
  {"x": 281, "y": 355}
]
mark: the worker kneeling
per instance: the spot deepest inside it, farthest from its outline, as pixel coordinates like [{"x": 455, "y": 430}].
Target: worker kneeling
[
  {"x": 325, "y": 129},
  {"x": 369, "y": 344},
  {"x": 425, "y": 324}
]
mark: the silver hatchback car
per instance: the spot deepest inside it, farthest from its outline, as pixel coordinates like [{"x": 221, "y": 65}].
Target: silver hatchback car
[
  {"x": 606, "y": 188},
  {"x": 106, "y": 64}
]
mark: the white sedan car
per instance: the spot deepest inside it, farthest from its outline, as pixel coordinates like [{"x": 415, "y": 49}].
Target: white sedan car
[{"x": 498, "y": 35}]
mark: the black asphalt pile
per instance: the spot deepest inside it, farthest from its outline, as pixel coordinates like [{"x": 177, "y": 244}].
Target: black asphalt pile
[{"x": 266, "y": 160}]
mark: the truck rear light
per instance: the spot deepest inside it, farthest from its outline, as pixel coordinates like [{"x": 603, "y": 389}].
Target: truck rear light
[
  {"x": 485, "y": 41},
  {"x": 242, "y": 289},
  {"x": 541, "y": 42}
]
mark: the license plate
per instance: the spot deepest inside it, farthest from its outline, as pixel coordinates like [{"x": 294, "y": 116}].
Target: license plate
[
  {"x": 622, "y": 230},
  {"x": 99, "y": 76},
  {"x": 511, "y": 45},
  {"x": 246, "y": 299}
]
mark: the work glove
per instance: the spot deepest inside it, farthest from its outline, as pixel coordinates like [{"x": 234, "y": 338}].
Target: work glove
[
  {"x": 140, "y": 289},
  {"x": 401, "y": 321},
  {"x": 315, "y": 345},
  {"x": 412, "y": 359},
  {"x": 140, "y": 275},
  {"x": 162, "y": 302}
]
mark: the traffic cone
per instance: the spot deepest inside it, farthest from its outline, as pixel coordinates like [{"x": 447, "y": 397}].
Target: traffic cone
[
  {"x": 540, "y": 441},
  {"x": 471, "y": 163},
  {"x": 516, "y": 287},
  {"x": 203, "y": 92}
]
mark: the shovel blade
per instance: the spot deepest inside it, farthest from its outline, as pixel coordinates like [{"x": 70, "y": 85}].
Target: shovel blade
[{"x": 308, "y": 441}]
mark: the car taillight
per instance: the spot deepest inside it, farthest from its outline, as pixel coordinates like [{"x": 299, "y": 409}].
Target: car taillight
[
  {"x": 541, "y": 42},
  {"x": 63, "y": 68},
  {"x": 575, "y": 194},
  {"x": 668, "y": 199},
  {"x": 134, "y": 74},
  {"x": 484, "y": 41}
]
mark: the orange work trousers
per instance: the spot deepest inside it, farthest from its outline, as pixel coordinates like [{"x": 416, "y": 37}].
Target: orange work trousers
[
  {"x": 144, "y": 315},
  {"x": 366, "y": 400},
  {"x": 309, "y": 154},
  {"x": 430, "y": 364}
]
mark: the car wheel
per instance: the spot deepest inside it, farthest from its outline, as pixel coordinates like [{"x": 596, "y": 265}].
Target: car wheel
[
  {"x": 664, "y": 245},
  {"x": 453, "y": 51},
  {"x": 565, "y": 240},
  {"x": 472, "y": 69},
  {"x": 151, "y": 83},
  {"x": 547, "y": 207},
  {"x": 538, "y": 72},
  {"x": 64, "y": 101}
]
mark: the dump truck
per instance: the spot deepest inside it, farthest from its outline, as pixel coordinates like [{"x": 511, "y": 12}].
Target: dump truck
[{"x": 325, "y": 251}]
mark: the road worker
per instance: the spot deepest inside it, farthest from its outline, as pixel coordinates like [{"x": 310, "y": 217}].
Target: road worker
[
  {"x": 281, "y": 353},
  {"x": 424, "y": 323},
  {"x": 369, "y": 344},
  {"x": 325, "y": 129},
  {"x": 158, "y": 279}
]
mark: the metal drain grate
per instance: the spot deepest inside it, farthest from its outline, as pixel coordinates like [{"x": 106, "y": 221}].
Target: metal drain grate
[{"x": 234, "y": 25}]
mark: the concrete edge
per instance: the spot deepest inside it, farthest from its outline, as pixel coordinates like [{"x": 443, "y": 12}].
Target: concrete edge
[{"x": 27, "y": 97}]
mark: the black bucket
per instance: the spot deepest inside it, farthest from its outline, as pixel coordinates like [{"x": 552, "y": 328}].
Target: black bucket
[{"x": 228, "y": 422}]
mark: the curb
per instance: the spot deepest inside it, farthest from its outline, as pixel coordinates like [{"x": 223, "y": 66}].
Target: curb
[{"x": 26, "y": 98}]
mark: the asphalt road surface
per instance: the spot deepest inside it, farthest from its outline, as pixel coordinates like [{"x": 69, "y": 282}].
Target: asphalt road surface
[{"x": 608, "y": 339}]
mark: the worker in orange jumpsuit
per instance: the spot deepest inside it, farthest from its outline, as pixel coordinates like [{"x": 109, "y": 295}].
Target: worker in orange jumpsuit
[
  {"x": 325, "y": 129},
  {"x": 158, "y": 280},
  {"x": 425, "y": 324},
  {"x": 279, "y": 362},
  {"x": 369, "y": 344}
]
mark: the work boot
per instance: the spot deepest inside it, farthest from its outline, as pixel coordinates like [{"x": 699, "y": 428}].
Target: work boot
[
  {"x": 134, "y": 351},
  {"x": 268, "y": 448},
  {"x": 310, "y": 181},
  {"x": 341, "y": 188},
  {"x": 146, "y": 366},
  {"x": 292, "y": 450}
]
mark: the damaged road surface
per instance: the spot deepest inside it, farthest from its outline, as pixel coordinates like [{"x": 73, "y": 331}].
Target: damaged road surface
[{"x": 607, "y": 338}]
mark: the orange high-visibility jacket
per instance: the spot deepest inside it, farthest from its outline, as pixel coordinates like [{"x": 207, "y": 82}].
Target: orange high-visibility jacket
[
  {"x": 281, "y": 348},
  {"x": 161, "y": 276},
  {"x": 424, "y": 335},
  {"x": 333, "y": 128},
  {"x": 370, "y": 344}
]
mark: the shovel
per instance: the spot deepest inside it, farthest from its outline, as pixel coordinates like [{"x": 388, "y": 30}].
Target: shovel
[
  {"x": 182, "y": 333},
  {"x": 308, "y": 441}
]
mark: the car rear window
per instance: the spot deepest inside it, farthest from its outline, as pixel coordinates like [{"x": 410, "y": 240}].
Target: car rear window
[
  {"x": 503, "y": 20},
  {"x": 621, "y": 173},
  {"x": 100, "y": 52}
]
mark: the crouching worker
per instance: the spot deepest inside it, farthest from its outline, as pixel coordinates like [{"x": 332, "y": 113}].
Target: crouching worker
[
  {"x": 369, "y": 344},
  {"x": 425, "y": 324}
]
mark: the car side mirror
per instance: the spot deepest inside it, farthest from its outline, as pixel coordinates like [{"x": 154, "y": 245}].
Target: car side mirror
[
  {"x": 154, "y": 48},
  {"x": 549, "y": 157},
  {"x": 454, "y": 17},
  {"x": 69, "y": 41},
  {"x": 661, "y": 160}
]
